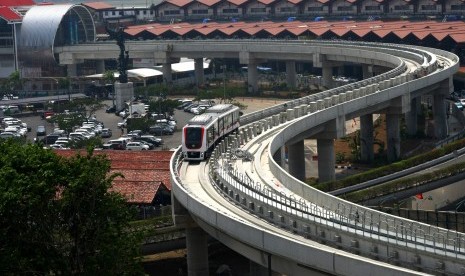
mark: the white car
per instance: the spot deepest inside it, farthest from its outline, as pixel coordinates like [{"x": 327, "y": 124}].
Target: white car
[
  {"x": 77, "y": 136},
  {"x": 136, "y": 146},
  {"x": 85, "y": 132},
  {"x": 58, "y": 146},
  {"x": 122, "y": 124}
]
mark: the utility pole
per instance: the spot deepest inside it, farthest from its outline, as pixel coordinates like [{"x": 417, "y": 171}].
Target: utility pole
[{"x": 224, "y": 82}]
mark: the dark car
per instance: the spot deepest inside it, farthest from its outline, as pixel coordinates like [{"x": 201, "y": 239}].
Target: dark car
[
  {"x": 50, "y": 139},
  {"x": 150, "y": 141},
  {"x": 110, "y": 109},
  {"x": 106, "y": 133},
  {"x": 161, "y": 130},
  {"x": 41, "y": 131}
]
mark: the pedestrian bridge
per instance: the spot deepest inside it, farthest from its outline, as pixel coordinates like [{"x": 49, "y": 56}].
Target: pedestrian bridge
[{"x": 243, "y": 197}]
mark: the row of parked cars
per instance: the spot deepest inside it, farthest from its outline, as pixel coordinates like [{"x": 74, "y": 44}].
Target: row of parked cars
[
  {"x": 59, "y": 139},
  {"x": 134, "y": 140},
  {"x": 13, "y": 128},
  {"x": 195, "y": 107}
]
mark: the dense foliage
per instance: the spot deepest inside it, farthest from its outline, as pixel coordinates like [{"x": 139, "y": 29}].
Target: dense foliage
[
  {"x": 58, "y": 216},
  {"x": 391, "y": 168}
]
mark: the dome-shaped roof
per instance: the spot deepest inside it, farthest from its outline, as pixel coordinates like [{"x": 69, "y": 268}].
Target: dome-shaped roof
[{"x": 47, "y": 26}]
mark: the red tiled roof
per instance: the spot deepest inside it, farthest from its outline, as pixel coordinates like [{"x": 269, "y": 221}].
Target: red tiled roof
[
  {"x": 295, "y": 2},
  {"x": 137, "y": 192},
  {"x": 98, "y": 5},
  {"x": 17, "y": 3},
  {"x": 9, "y": 15},
  {"x": 265, "y": 2},
  {"x": 401, "y": 29},
  {"x": 458, "y": 38},
  {"x": 209, "y": 3},
  {"x": 178, "y": 3},
  {"x": 144, "y": 172},
  {"x": 237, "y": 2}
]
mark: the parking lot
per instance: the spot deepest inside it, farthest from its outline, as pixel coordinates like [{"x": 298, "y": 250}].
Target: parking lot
[{"x": 110, "y": 121}]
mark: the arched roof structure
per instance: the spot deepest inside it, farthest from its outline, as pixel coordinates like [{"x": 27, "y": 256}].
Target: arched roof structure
[{"x": 47, "y": 26}]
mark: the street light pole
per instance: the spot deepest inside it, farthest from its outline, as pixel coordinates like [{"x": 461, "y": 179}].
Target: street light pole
[{"x": 224, "y": 82}]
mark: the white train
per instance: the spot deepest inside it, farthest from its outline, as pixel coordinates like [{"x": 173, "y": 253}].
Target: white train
[{"x": 203, "y": 131}]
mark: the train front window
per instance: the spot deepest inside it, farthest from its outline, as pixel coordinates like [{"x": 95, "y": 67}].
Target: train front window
[{"x": 193, "y": 137}]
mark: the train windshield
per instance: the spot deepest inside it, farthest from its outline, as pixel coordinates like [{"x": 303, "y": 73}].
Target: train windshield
[{"x": 193, "y": 137}]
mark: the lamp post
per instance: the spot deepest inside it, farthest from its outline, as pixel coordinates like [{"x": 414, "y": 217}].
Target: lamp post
[
  {"x": 224, "y": 82},
  {"x": 159, "y": 112}
]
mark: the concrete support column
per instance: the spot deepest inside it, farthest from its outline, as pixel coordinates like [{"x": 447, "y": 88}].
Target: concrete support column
[
  {"x": 366, "y": 138},
  {"x": 280, "y": 156},
  {"x": 197, "y": 252},
  {"x": 326, "y": 160},
  {"x": 252, "y": 79},
  {"x": 341, "y": 70},
  {"x": 290, "y": 74},
  {"x": 296, "y": 160},
  {"x": 258, "y": 270},
  {"x": 367, "y": 71},
  {"x": 199, "y": 76},
  {"x": 411, "y": 117},
  {"x": 100, "y": 66},
  {"x": 167, "y": 75},
  {"x": 440, "y": 116},
  {"x": 71, "y": 70},
  {"x": 327, "y": 76},
  {"x": 393, "y": 136}
]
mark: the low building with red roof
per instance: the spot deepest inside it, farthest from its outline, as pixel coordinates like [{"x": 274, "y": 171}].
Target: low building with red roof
[{"x": 146, "y": 174}]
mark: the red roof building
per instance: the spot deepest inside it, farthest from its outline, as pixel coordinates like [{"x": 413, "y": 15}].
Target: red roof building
[{"x": 146, "y": 174}]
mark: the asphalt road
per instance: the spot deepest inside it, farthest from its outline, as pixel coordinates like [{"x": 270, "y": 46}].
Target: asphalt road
[{"x": 110, "y": 121}]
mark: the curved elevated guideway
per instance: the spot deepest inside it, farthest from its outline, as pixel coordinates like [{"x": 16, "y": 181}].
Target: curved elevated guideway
[{"x": 245, "y": 199}]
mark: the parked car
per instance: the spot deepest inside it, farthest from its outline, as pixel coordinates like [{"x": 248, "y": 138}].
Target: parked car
[
  {"x": 78, "y": 136},
  {"x": 118, "y": 144},
  {"x": 151, "y": 138},
  {"x": 57, "y": 146},
  {"x": 136, "y": 146},
  {"x": 122, "y": 124},
  {"x": 8, "y": 135},
  {"x": 50, "y": 139},
  {"x": 41, "y": 131},
  {"x": 161, "y": 129},
  {"x": 134, "y": 133},
  {"x": 459, "y": 105},
  {"x": 106, "y": 133},
  {"x": 110, "y": 109}
]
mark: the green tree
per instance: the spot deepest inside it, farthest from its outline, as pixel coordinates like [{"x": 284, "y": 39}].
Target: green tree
[
  {"x": 65, "y": 84},
  {"x": 13, "y": 82},
  {"x": 109, "y": 78},
  {"x": 58, "y": 216},
  {"x": 86, "y": 106}
]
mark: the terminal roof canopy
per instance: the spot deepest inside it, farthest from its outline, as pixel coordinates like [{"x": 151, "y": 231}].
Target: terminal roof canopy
[{"x": 185, "y": 65}]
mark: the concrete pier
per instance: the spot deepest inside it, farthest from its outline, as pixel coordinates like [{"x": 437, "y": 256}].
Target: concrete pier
[
  {"x": 197, "y": 251},
  {"x": 366, "y": 138},
  {"x": 440, "y": 116},
  {"x": 326, "y": 160},
  {"x": 296, "y": 160},
  {"x": 291, "y": 74},
  {"x": 199, "y": 75},
  {"x": 411, "y": 119},
  {"x": 393, "y": 136}
]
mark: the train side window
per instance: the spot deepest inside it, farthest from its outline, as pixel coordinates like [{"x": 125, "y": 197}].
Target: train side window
[{"x": 210, "y": 134}]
